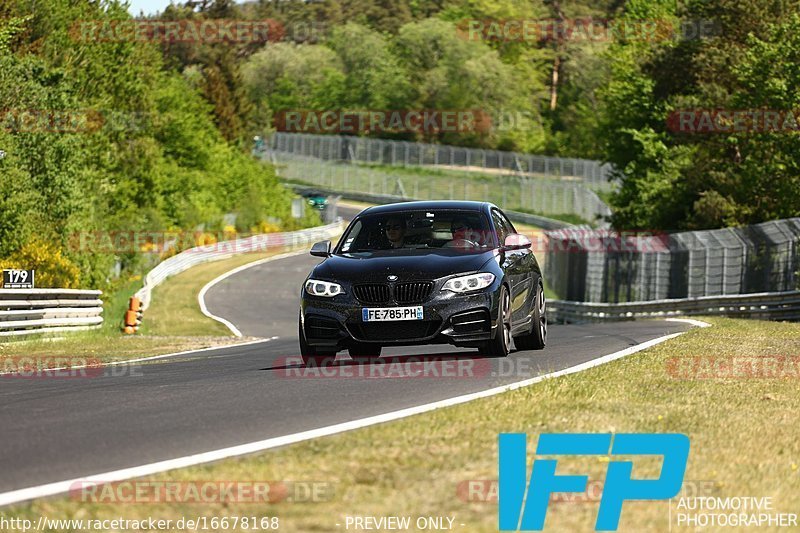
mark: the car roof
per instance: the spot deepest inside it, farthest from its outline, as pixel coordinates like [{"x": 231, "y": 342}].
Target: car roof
[{"x": 421, "y": 205}]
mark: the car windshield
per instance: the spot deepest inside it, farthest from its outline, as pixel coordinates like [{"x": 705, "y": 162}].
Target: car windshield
[{"x": 465, "y": 231}]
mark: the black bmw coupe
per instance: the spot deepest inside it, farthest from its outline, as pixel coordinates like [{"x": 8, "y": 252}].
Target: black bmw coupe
[{"x": 436, "y": 272}]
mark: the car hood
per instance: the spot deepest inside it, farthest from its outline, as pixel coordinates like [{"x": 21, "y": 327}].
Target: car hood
[{"x": 405, "y": 264}]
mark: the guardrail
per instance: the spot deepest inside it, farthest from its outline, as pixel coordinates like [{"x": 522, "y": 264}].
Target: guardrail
[
  {"x": 28, "y": 311},
  {"x": 764, "y": 306},
  {"x": 636, "y": 266},
  {"x": 224, "y": 249}
]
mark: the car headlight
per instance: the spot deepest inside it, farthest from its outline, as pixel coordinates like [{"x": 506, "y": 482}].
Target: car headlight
[
  {"x": 473, "y": 282},
  {"x": 323, "y": 288}
]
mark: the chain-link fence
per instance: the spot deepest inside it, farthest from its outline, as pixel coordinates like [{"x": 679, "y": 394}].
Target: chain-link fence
[
  {"x": 547, "y": 197},
  {"x": 604, "y": 266},
  {"x": 403, "y": 153}
]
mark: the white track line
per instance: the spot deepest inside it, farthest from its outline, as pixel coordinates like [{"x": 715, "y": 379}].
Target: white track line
[
  {"x": 692, "y": 321},
  {"x": 201, "y": 297},
  {"x": 59, "y": 487}
]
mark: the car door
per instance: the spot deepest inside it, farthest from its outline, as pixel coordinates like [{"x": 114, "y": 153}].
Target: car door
[{"x": 518, "y": 268}]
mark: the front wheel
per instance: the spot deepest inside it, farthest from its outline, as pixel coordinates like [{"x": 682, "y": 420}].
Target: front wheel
[
  {"x": 537, "y": 338},
  {"x": 499, "y": 346},
  {"x": 313, "y": 356}
]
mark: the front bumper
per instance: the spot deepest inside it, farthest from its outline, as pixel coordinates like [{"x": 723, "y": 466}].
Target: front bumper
[{"x": 449, "y": 318}]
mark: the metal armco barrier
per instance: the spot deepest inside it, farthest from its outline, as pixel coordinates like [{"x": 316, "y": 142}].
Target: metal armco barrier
[
  {"x": 762, "y": 306},
  {"x": 224, "y": 249},
  {"x": 23, "y": 312},
  {"x": 604, "y": 266}
]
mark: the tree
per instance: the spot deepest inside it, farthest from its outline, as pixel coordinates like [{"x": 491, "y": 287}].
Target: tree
[{"x": 685, "y": 180}]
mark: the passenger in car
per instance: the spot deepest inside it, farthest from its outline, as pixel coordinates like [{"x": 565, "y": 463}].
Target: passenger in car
[{"x": 464, "y": 234}]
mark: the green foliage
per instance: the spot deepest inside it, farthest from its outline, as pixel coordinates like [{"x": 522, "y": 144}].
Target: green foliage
[
  {"x": 425, "y": 65},
  {"x": 151, "y": 157},
  {"x": 8, "y": 31},
  {"x": 686, "y": 180}
]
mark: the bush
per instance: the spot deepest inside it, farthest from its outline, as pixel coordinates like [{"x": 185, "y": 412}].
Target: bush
[{"x": 53, "y": 269}]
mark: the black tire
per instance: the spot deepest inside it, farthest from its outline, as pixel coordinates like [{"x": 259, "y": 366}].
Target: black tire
[
  {"x": 313, "y": 356},
  {"x": 364, "y": 351},
  {"x": 500, "y": 345},
  {"x": 537, "y": 338}
]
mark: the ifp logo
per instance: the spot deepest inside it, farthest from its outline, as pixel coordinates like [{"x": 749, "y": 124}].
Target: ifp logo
[{"x": 618, "y": 487}]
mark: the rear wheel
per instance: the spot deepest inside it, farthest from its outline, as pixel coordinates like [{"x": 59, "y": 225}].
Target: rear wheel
[
  {"x": 313, "y": 356},
  {"x": 537, "y": 338},
  {"x": 365, "y": 351},
  {"x": 499, "y": 346}
]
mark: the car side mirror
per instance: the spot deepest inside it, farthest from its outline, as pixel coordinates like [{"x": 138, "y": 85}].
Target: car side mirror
[
  {"x": 516, "y": 241},
  {"x": 321, "y": 249}
]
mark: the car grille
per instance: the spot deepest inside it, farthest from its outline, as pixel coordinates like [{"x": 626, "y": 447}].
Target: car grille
[
  {"x": 321, "y": 328},
  {"x": 404, "y": 293},
  {"x": 395, "y": 331},
  {"x": 372, "y": 293},
  {"x": 412, "y": 292}
]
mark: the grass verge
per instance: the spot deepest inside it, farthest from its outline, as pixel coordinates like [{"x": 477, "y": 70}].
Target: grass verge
[{"x": 742, "y": 430}]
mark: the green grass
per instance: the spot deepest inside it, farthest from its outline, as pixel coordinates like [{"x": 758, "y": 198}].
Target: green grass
[
  {"x": 449, "y": 173},
  {"x": 743, "y": 438}
]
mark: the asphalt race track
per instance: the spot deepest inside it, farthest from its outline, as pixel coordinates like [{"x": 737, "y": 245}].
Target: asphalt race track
[{"x": 58, "y": 429}]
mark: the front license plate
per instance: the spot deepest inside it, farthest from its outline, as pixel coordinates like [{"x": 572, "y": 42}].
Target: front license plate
[{"x": 388, "y": 314}]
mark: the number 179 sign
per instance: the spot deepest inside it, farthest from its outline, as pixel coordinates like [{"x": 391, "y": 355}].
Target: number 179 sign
[{"x": 17, "y": 279}]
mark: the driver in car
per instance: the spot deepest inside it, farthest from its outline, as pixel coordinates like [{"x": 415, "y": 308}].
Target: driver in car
[{"x": 395, "y": 229}]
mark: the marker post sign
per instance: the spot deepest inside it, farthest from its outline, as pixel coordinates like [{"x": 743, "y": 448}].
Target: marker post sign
[{"x": 18, "y": 279}]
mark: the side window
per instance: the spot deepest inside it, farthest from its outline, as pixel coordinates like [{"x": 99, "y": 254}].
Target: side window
[
  {"x": 354, "y": 235},
  {"x": 511, "y": 229},
  {"x": 501, "y": 226}
]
